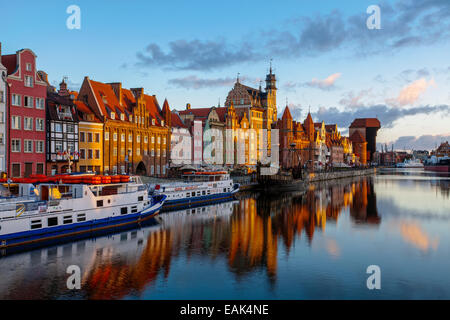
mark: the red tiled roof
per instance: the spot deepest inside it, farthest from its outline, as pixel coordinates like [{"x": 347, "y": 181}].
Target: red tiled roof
[
  {"x": 153, "y": 109},
  {"x": 176, "y": 121},
  {"x": 357, "y": 137},
  {"x": 222, "y": 111},
  {"x": 197, "y": 112},
  {"x": 10, "y": 62},
  {"x": 365, "y": 123},
  {"x": 81, "y": 106}
]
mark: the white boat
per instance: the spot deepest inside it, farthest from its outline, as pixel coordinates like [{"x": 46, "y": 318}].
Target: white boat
[
  {"x": 47, "y": 211},
  {"x": 197, "y": 189},
  {"x": 413, "y": 163}
]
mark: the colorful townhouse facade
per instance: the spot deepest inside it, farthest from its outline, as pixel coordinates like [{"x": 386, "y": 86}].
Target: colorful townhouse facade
[
  {"x": 62, "y": 131},
  {"x": 26, "y": 133},
  {"x": 3, "y": 115},
  {"x": 136, "y": 133},
  {"x": 181, "y": 142}
]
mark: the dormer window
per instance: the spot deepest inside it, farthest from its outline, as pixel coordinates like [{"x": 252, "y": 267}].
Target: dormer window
[
  {"x": 162, "y": 123},
  {"x": 153, "y": 122},
  {"x": 104, "y": 100},
  {"x": 131, "y": 118},
  {"x": 122, "y": 117},
  {"x": 113, "y": 115}
]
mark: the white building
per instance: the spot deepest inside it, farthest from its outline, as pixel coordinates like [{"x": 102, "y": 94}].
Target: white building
[
  {"x": 3, "y": 113},
  {"x": 181, "y": 142}
]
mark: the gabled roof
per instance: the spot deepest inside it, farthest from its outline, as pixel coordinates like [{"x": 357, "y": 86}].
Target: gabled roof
[
  {"x": 83, "y": 108},
  {"x": 357, "y": 137},
  {"x": 286, "y": 114},
  {"x": 9, "y": 61},
  {"x": 222, "y": 112},
  {"x": 176, "y": 121},
  {"x": 197, "y": 112}
]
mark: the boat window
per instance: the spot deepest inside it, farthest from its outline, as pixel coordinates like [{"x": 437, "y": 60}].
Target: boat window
[
  {"x": 198, "y": 193},
  {"x": 188, "y": 194},
  {"x": 53, "y": 221},
  {"x": 99, "y": 203},
  {"x": 134, "y": 209},
  {"x": 203, "y": 192},
  {"x": 208, "y": 192},
  {"x": 141, "y": 198},
  {"x": 36, "y": 224},
  {"x": 224, "y": 189},
  {"x": 67, "y": 219},
  {"x": 124, "y": 210},
  {"x": 193, "y": 194},
  {"x": 81, "y": 217},
  {"x": 228, "y": 190}
]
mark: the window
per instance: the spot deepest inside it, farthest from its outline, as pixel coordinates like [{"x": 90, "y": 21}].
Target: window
[
  {"x": 131, "y": 118},
  {"x": 36, "y": 224},
  {"x": 122, "y": 137},
  {"x": 39, "y": 124},
  {"x": 28, "y": 146},
  {"x": 122, "y": 152},
  {"x": 15, "y": 145},
  {"x": 99, "y": 203},
  {"x": 58, "y": 146},
  {"x": 53, "y": 221},
  {"x": 134, "y": 209},
  {"x": 1, "y": 138},
  {"x": 15, "y": 100},
  {"x": 145, "y": 139},
  {"x": 40, "y": 146},
  {"x": 40, "y": 168},
  {"x": 97, "y": 154},
  {"x": 153, "y": 122},
  {"x": 89, "y": 136},
  {"x": 82, "y": 136},
  {"x": 97, "y": 137},
  {"x": 81, "y": 217},
  {"x": 113, "y": 115},
  {"x": 138, "y": 138},
  {"x": 28, "y": 102},
  {"x": 124, "y": 210},
  {"x": 115, "y": 151},
  {"x": 16, "y": 169},
  {"x": 115, "y": 136},
  {"x": 130, "y": 137},
  {"x": 90, "y": 154},
  {"x": 28, "y": 81},
  {"x": 28, "y": 67},
  {"x": 67, "y": 219},
  {"x": 159, "y": 140},
  {"x": 83, "y": 154},
  {"x": 106, "y": 136},
  {"x": 122, "y": 116},
  {"x": 153, "y": 139},
  {"x": 2, "y": 96},
  {"x": 162, "y": 123},
  {"x": 15, "y": 122},
  {"x": 153, "y": 152},
  {"x": 40, "y": 103},
  {"x": 141, "y": 198},
  {"x": 138, "y": 151},
  {"x": 27, "y": 123},
  {"x": 164, "y": 140},
  {"x": 58, "y": 127},
  {"x": 70, "y": 128}
]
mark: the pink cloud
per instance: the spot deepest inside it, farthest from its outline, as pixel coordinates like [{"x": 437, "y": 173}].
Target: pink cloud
[{"x": 412, "y": 92}]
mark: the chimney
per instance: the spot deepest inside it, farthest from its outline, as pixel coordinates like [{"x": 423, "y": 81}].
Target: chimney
[
  {"x": 63, "y": 89},
  {"x": 137, "y": 92},
  {"x": 117, "y": 88},
  {"x": 188, "y": 106}
]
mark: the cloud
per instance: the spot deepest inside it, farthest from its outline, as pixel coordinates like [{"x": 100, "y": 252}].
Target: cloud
[
  {"x": 387, "y": 115},
  {"x": 424, "y": 142},
  {"x": 193, "y": 82},
  {"x": 325, "y": 84},
  {"x": 350, "y": 99},
  {"x": 412, "y": 92},
  {"x": 196, "y": 55},
  {"x": 405, "y": 23}
]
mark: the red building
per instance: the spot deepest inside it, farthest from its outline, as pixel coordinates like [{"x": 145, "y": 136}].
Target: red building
[{"x": 26, "y": 115}]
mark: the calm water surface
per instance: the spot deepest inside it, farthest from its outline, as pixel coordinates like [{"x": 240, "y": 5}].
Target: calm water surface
[{"x": 315, "y": 245}]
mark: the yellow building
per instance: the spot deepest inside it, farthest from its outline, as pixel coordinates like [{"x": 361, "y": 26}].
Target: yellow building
[{"x": 90, "y": 140}]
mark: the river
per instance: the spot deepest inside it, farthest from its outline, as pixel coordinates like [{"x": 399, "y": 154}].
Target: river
[{"x": 313, "y": 245}]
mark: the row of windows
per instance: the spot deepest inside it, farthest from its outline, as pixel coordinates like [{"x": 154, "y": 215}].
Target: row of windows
[
  {"x": 16, "y": 169},
  {"x": 16, "y": 123},
  {"x": 159, "y": 153},
  {"x": 69, "y": 128},
  {"x": 90, "y": 154},
  {"x": 53, "y": 221},
  {"x": 137, "y": 119},
  {"x": 90, "y": 136},
  {"x": 138, "y": 138},
  {"x": 159, "y": 169},
  {"x": 203, "y": 193},
  {"x": 27, "y": 101},
  {"x": 16, "y": 146}
]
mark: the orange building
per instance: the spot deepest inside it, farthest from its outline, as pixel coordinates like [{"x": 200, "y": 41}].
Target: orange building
[{"x": 136, "y": 135}]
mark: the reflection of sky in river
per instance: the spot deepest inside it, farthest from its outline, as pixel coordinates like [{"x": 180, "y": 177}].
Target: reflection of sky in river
[{"x": 282, "y": 247}]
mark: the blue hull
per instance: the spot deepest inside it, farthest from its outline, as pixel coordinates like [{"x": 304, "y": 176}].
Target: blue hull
[
  {"x": 186, "y": 203},
  {"x": 54, "y": 233}
]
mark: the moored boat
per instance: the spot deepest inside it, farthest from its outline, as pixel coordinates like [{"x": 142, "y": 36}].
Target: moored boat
[
  {"x": 45, "y": 210},
  {"x": 197, "y": 189}
]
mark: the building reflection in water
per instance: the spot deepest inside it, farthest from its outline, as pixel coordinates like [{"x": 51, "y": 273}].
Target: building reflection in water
[{"x": 245, "y": 233}]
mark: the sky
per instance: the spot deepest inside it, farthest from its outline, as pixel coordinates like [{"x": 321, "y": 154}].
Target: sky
[{"x": 324, "y": 56}]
